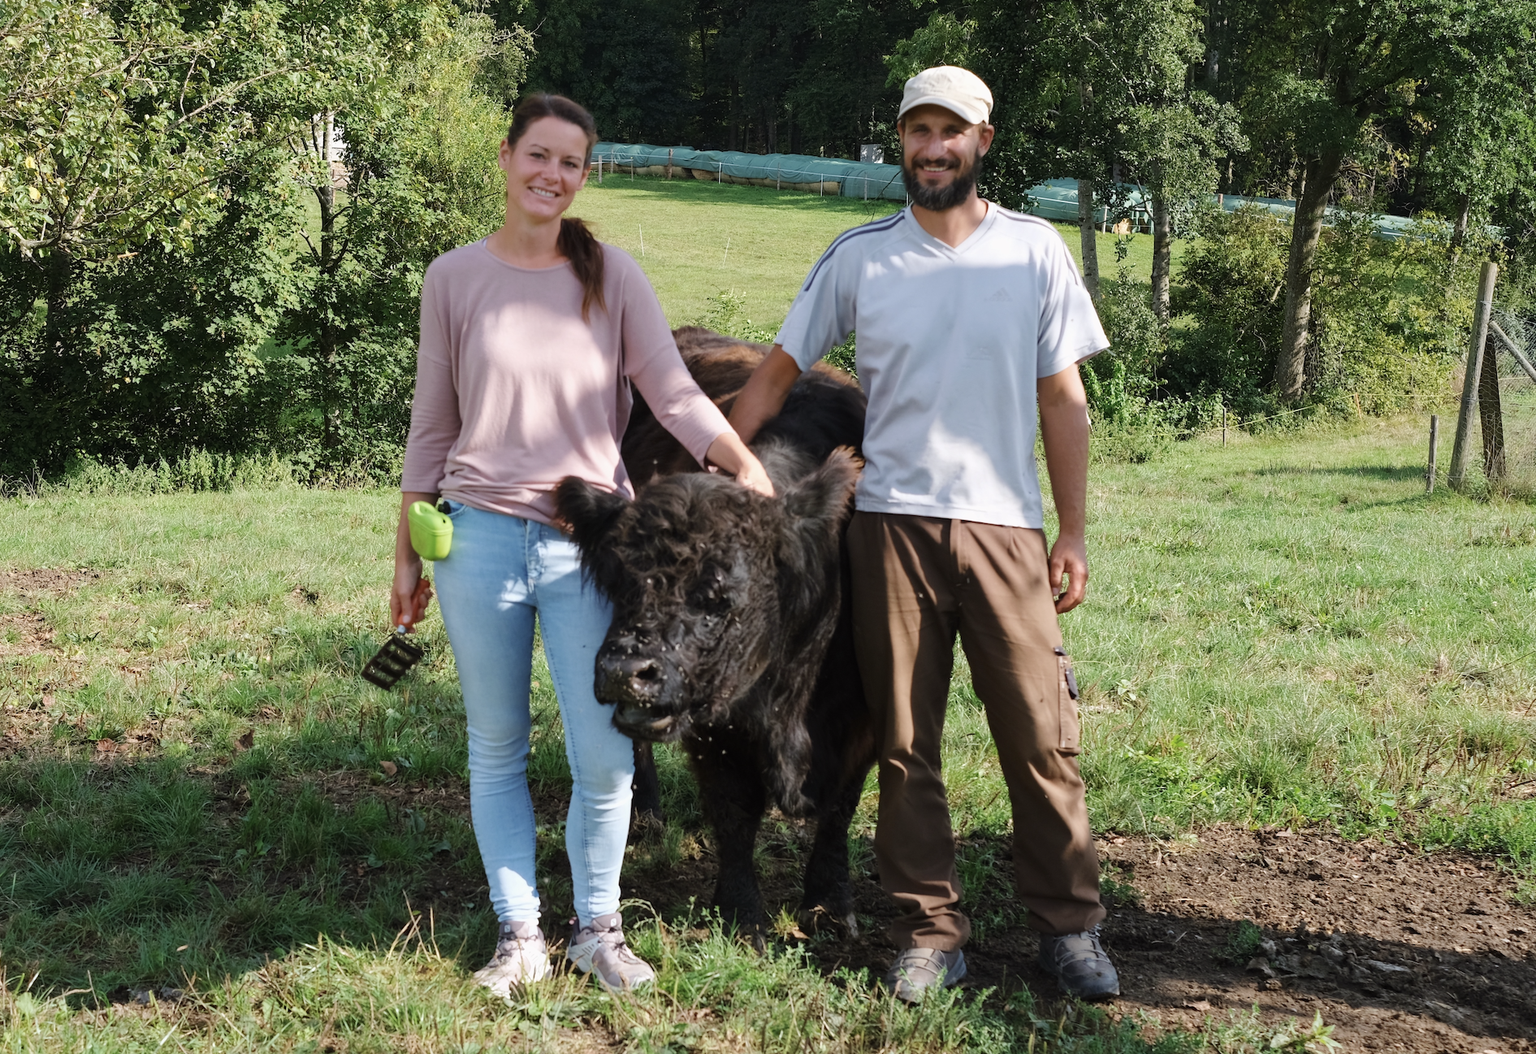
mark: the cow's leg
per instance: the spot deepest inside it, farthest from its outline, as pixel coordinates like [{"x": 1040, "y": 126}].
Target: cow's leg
[
  {"x": 828, "y": 896},
  {"x": 647, "y": 793},
  {"x": 732, "y": 794}
]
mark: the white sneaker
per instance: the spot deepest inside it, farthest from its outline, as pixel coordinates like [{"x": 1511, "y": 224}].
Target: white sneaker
[
  {"x": 599, "y": 950},
  {"x": 521, "y": 958}
]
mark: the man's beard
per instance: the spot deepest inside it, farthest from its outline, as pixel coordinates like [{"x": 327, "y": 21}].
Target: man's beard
[{"x": 940, "y": 199}]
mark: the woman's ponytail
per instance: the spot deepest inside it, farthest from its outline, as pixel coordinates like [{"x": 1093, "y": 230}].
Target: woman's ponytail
[
  {"x": 585, "y": 252},
  {"x": 575, "y": 242}
]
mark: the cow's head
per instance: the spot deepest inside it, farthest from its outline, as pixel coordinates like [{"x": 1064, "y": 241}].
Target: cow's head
[{"x": 711, "y": 584}]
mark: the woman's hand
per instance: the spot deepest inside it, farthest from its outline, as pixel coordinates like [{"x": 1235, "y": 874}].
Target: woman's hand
[
  {"x": 410, "y": 594},
  {"x": 732, "y": 455}
]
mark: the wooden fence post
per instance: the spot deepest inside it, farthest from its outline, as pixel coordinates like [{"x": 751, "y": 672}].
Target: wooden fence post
[
  {"x": 1469, "y": 385},
  {"x": 1490, "y": 412},
  {"x": 1434, "y": 441},
  {"x": 1513, "y": 349}
]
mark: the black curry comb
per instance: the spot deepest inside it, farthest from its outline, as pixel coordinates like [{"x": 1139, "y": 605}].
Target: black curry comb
[{"x": 397, "y": 656}]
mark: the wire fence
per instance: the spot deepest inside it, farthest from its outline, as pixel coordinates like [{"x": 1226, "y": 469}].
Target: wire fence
[{"x": 1512, "y": 336}]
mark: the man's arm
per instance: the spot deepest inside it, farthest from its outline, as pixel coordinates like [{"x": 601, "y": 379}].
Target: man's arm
[
  {"x": 763, "y": 396},
  {"x": 1064, "y": 431}
]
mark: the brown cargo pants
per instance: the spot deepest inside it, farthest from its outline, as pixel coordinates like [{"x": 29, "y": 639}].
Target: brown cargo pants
[{"x": 917, "y": 583}]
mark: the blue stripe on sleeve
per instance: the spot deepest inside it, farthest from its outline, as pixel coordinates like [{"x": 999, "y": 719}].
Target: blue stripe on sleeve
[{"x": 869, "y": 228}]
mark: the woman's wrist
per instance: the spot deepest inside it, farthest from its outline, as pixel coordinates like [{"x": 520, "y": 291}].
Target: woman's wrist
[
  {"x": 733, "y": 456},
  {"x": 727, "y": 452}
]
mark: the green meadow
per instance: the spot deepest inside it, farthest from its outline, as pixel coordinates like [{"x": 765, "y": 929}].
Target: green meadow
[
  {"x": 697, "y": 240},
  {"x": 215, "y": 837}
]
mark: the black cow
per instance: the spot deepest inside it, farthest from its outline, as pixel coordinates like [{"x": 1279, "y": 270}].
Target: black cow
[{"x": 731, "y": 630}]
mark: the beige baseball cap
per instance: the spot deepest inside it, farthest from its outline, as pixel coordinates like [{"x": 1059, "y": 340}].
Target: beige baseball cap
[{"x": 957, "y": 90}]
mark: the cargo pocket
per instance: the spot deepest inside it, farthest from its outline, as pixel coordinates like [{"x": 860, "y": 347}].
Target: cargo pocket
[{"x": 1066, "y": 694}]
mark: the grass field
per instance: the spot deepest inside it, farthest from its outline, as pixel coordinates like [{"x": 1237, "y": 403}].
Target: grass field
[
  {"x": 214, "y": 836},
  {"x": 197, "y": 792},
  {"x": 702, "y": 239}
]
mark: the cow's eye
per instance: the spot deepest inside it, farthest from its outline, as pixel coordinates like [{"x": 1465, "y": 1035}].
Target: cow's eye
[{"x": 709, "y": 595}]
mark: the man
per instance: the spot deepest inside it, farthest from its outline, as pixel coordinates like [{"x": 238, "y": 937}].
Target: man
[{"x": 965, "y": 312}]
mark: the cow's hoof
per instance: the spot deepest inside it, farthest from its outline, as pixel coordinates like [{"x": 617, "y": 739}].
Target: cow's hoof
[
  {"x": 647, "y": 825},
  {"x": 819, "y": 919}
]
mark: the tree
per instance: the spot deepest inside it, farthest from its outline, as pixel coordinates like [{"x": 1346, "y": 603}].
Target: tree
[
  {"x": 627, "y": 61},
  {"x": 1478, "y": 121},
  {"x": 1097, "y": 90},
  {"x": 1171, "y": 144},
  {"x": 1316, "y": 78},
  {"x": 415, "y": 176},
  {"x": 170, "y": 285}
]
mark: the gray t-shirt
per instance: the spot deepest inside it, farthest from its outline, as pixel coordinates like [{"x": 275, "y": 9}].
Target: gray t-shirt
[{"x": 951, "y": 342}]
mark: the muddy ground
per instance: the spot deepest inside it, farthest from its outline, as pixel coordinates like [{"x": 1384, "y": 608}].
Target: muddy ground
[{"x": 1399, "y": 950}]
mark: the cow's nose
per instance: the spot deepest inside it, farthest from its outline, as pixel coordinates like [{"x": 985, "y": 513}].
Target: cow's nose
[
  {"x": 641, "y": 675},
  {"x": 629, "y": 678}
]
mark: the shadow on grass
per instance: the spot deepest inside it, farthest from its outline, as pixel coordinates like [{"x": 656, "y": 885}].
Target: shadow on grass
[
  {"x": 1380, "y": 473},
  {"x": 149, "y": 873}
]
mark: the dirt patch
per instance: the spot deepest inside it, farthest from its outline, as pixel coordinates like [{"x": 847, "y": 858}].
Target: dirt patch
[
  {"x": 24, "y": 633},
  {"x": 1399, "y": 950},
  {"x": 27, "y": 632},
  {"x": 45, "y": 581}
]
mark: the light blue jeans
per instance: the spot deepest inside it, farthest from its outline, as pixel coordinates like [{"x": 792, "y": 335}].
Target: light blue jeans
[{"x": 499, "y": 572}]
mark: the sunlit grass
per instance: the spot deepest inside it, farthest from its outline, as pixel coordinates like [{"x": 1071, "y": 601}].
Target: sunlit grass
[
  {"x": 700, "y": 239},
  {"x": 1284, "y": 631}
]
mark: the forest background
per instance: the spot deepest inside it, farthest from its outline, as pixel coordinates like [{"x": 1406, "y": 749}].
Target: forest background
[{"x": 216, "y": 216}]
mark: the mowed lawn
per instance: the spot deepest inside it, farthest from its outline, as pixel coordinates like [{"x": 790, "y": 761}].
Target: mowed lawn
[
  {"x": 214, "y": 836},
  {"x": 697, "y": 240}
]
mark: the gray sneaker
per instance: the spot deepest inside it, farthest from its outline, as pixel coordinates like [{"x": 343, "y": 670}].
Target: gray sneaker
[
  {"x": 918, "y": 969},
  {"x": 599, "y": 950},
  {"x": 1080, "y": 964},
  {"x": 520, "y": 959}
]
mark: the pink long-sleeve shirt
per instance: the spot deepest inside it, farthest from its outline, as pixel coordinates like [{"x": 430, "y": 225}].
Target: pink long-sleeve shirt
[{"x": 514, "y": 391}]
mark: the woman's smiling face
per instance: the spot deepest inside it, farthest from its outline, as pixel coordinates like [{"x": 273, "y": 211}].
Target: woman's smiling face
[{"x": 546, "y": 167}]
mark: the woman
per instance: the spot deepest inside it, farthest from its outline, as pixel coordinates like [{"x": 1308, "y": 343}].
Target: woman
[{"x": 529, "y": 342}]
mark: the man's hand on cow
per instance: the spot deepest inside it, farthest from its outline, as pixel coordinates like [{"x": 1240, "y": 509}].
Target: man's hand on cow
[
  {"x": 732, "y": 455},
  {"x": 1069, "y": 559}
]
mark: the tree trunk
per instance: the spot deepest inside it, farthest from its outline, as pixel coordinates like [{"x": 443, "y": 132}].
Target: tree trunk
[
  {"x": 1085, "y": 208},
  {"x": 1317, "y": 182},
  {"x": 1459, "y": 233},
  {"x": 1162, "y": 254},
  {"x": 1090, "y": 243},
  {"x": 59, "y": 267},
  {"x": 1212, "y": 51},
  {"x": 329, "y": 345}
]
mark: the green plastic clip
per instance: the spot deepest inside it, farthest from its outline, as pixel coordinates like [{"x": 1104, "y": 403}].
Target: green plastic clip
[{"x": 431, "y": 531}]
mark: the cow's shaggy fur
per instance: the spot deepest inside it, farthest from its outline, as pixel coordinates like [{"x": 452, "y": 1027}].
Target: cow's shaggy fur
[{"x": 731, "y": 630}]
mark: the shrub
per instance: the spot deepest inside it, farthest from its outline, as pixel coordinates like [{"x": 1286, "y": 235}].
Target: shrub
[
  {"x": 1229, "y": 305},
  {"x": 1134, "y": 418},
  {"x": 1389, "y": 317}
]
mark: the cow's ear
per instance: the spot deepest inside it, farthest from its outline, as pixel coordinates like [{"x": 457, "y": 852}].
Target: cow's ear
[
  {"x": 816, "y": 506},
  {"x": 592, "y": 514}
]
